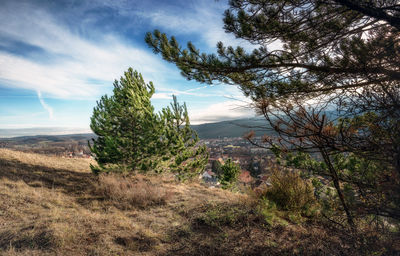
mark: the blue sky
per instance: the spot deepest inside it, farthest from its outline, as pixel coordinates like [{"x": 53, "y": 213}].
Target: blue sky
[{"x": 58, "y": 57}]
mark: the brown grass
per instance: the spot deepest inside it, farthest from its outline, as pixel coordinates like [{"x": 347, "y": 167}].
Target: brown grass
[
  {"x": 130, "y": 192},
  {"x": 55, "y": 206}
]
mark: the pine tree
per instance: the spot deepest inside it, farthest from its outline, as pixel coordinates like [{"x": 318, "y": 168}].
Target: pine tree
[
  {"x": 131, "y": 137},
  {"x": 126, "y": 126},
  {"x": 342, "y": 55},
  {"x": 326, "y": 45},
  {"x": 216, "y": 167},
  {"x": 186, "y": 157},
  {"x": 230, "y": 173}
]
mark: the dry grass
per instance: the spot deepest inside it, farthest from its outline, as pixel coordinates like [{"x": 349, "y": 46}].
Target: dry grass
[
  {"x": 72, "y": 164},
  {"x": 55, "y": 206},
  {"x": 130, "y": 192}
]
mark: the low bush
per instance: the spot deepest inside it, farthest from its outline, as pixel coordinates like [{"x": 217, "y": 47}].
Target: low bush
[
  {"x": 229, "y": 174},
  {"x": 128, "y": 192},
  {"x": 290, "y": 192}
]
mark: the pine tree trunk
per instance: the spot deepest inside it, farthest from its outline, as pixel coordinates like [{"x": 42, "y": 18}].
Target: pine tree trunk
[{"x": 336, "y": 184}]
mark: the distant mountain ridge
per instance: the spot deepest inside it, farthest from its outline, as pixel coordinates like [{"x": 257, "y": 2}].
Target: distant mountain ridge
[
  {"x": 34, "y": 139},
  {"x": 44, "y": 131},
  {"x": 234, "y": 128}
]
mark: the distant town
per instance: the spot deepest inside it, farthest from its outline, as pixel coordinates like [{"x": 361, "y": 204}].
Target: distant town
[{"x": 254, "y": 162}]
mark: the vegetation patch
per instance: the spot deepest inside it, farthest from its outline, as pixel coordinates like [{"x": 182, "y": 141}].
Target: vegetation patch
[
  {"x": 223, "y": 214},
  {"x": 127, "y": 192},
  {"x": 28, "y": 237},
  {"x": 139, "y": 242},
  {"x": 50, "y": 220}
]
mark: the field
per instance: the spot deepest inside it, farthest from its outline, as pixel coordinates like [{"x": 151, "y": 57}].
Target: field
[{"x": 56, "y": 206}]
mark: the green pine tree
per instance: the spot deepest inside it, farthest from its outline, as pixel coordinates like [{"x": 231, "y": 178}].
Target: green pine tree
[
  {"x": 230, "y": 174},
  {"x": 338, "y": 54},
  {"x": 131, "y": 137},
  {"x": 186, "y": 157},
  {"x": 126, "y": 126}
]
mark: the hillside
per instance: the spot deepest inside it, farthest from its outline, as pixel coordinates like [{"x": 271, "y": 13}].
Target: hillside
[
  {"x": 20, "y": 132},
  {"x": 32, "y": 140},
  {"x": 234, "y": 128},
  {"x": 56, "y": 206}
]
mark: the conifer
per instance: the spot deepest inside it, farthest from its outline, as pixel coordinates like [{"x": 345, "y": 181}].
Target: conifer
[{"x": 126, "y": 126}]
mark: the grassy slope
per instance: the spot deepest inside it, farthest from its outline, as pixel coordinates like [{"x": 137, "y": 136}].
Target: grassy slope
[{"x": 50, "y": 206}]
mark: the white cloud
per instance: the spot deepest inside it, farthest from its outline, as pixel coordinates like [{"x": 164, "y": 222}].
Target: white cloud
[
  {"x": 14, "y": 131},
  {"x": 76, "y": 67},
  {"x": 167, "y": 94},
  {"x": 45, "y": 105},
  {"x": 228, "y": 110},
  {"x": 204, "y": 20},
  {"x": 162, "y": 95}
]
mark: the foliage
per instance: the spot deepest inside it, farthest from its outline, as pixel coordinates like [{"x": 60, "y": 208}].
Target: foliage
[
  {"x": 126, "y": 126},
  {"x": 290, "y": 192},
  {"x": 187, "y": 158},
  {"x": 254, "y": 168},
  {"x": 216, "y": 167},
  {"x": 364, "y": 183},
  {"x": 338, "y": 56},
  {"x": 323, "y": 142},
  {"x": 126, "y": 192},
  {"x": 350, "y": 39},
  {"x": 130, "y": 136},
  {"x": 230, "y": 174}
]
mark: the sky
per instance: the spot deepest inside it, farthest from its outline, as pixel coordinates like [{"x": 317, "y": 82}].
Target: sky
[{"x": 57, "y": 57}]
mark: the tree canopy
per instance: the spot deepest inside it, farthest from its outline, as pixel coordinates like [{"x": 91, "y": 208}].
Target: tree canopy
[
  {"x": 326, "y": 45},
  {"x": 331, "y": 91},
  {"x": 125, "y": 124},
  {"x": 131, "y": 136},
  {"x": 186, "y": 157}
]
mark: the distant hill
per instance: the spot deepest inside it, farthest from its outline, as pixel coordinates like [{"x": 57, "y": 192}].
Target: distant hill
[
  {"x": 237, "y": 128},
  {"x": 29, "y": 140},
  {"x": 234, "y": 128},
  {"x": 10, "y": 133},
  {"x": 49, "y": 144}
]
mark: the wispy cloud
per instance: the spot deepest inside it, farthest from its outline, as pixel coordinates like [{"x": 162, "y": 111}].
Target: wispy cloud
[
  {"x": 77, "y": 67},
  {"x": 205, "y": 17},
  {"x": 162, "y": 95},
  {"x": 228, "y": 110},
  {"x": 45, "y": 105},
  {"x": 77, "y": 50},
  {"x": 202, "y": 18}
]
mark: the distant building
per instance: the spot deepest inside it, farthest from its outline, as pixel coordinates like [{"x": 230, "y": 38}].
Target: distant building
[
  {"x": 210, "y": 178},
  {"x": 245, "y": 177}
]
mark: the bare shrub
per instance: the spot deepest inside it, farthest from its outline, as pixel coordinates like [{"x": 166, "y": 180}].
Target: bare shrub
[{"x": 127, "y": 192}]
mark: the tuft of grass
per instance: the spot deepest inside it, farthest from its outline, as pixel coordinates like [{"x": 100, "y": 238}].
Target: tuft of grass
[
  {"x": 138, "y": 242},
  {"x": 126, "y": 192},
  {"x": 218, "y": 215},
  {"x": 270, "y": 213},
  {"x": 28, "y": 237}
]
